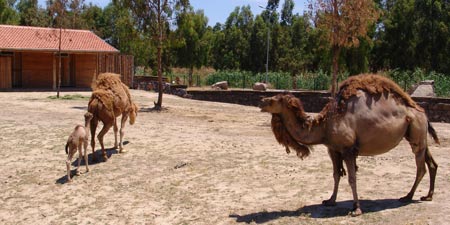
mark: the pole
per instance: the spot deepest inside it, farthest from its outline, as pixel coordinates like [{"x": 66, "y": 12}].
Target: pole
[{"x": 268, "y": 43}]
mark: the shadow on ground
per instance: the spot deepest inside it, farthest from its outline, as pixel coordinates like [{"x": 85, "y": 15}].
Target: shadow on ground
[
  {"x": 98, "y": 153},
  {"x": 320, "y": 211},
  {"x": 84, "y": 108}
]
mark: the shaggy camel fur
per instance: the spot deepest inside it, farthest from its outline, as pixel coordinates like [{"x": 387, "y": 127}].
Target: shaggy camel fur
[
  {"x": 370, "y": 116},
  {"x": 110, "y": 99},
  {"x": 77, "y": 140}
]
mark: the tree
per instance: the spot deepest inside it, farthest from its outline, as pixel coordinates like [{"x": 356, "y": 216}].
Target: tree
[
  {"x": 152, "y": 16},
  {"x": 192, "y": 49},
  {"x": 58, "y": 11},
  {"x": 286, "y": 13},
  {"x": 31, "y": 14},
  {"x": 342, "y": 22},
  {"x": 237, "y": 29},
  {"x": 257, "y": 40},
  {"x": 7, "y": 13}
]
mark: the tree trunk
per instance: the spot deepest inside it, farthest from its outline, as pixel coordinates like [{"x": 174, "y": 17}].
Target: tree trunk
[
  {"x": 336, "y": 51},
  {"x": 191, "y": 71},
  {"x": 294, "y": 79},
  {"x": 58, "y": 87},
  {"x": 158, "y": 105}
]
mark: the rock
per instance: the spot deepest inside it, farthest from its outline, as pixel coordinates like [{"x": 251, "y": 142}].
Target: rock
[
  {"x": 258, "y": 86},
  {"x": 424, "y": 89},
  {"x": 221, "y": 85}
]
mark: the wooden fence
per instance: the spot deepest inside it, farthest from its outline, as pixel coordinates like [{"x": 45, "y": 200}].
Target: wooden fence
[{"x": 121, "y": 64}]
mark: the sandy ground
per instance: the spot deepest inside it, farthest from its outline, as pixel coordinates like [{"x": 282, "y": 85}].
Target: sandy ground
[{"x": 195, "y": 163}]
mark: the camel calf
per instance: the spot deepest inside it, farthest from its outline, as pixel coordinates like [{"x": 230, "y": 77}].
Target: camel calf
[{"x": 78, "y": 139}]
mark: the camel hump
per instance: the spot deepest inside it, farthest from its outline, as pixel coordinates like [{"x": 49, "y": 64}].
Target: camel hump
[
  {"x": 107, "y": 81},
  {"x": 374, "y": 85},
  {"x": 106, "y": 97}
]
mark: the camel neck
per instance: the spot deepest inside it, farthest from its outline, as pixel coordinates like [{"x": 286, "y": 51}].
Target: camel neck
[
  {"x": 87, "y": 127},
  {"x": 302, "y": 132}
]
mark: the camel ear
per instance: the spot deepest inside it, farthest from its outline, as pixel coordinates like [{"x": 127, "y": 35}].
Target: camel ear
[{"x": 295, "y": 103}]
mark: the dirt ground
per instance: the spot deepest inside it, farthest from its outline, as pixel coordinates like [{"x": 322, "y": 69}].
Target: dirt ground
[{"x": 195, "y": 163}]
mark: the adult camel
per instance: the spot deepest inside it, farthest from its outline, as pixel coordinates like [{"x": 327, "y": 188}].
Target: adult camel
[
  {"x": 110, "y": 99},
  {"x": 369, "y": 116}
]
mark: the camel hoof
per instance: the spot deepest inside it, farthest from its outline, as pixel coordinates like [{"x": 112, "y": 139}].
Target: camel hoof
[
  {"x": 356, "y": 212},
  {"x": 78, "y": 173},
  {"x": 328, "y": 203},
  {"x": 426, "y": 198},
  {"x": 69, "y": 180},
  {"x": 123, "y": 151}
]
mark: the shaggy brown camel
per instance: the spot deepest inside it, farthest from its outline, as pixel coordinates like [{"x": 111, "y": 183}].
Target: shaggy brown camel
[
  {"x": 110, "y": 99},
  {"x": 370, "y": 116},
  {"x": 78, "y": 139}
]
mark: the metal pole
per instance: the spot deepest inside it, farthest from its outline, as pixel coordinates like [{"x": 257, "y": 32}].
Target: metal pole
[{"x": 268, "y": 43}]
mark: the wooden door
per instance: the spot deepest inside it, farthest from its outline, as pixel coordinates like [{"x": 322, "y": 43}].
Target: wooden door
[{"x": 5, "y": 72}]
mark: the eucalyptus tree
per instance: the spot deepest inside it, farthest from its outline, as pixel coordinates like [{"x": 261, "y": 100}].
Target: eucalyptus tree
[
  {"x": 342, "y": 22},
  {"x": 191, "y": 34},
  {"x": 152, "y": 17}
]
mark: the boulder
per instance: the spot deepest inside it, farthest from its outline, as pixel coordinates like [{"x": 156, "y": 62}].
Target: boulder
[
  {"x": 258, "y": 86},
  {"x": 424, "y": 89},
  {"x": 221, "y": 85}
]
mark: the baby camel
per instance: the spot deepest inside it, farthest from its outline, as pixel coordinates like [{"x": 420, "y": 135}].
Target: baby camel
[{"x": 78, "y": 139}]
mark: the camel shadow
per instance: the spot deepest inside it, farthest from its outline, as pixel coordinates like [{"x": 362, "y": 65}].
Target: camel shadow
[
  {"x": 320, "y": 211},
  {"x": 84, "y": 108},
  {"x": 98, "y": 154},
  {"x": 109, "y": 153},
  {"x": 63, "y": 179}
]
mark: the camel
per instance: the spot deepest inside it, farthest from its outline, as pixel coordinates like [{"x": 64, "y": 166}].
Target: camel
[
  {"x": 110, "y": 99},
  {"x": 78, "y": 139},
  {"x": 369, "y": 116}
]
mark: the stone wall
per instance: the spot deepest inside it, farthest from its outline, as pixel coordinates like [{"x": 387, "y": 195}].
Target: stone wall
[{"x": 438, "y": 109}]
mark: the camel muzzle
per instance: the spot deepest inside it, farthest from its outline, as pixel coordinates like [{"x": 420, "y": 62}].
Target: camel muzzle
[{"x": 265, "y": 102}]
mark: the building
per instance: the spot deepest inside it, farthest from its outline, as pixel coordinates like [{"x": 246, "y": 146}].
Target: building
[{"x": 29, "y": 58}]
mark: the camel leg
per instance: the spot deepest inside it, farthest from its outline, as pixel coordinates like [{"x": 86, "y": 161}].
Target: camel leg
[
  {"x": 432, "y": 168},
  {"x": 122, "y": 127},
  {"x": 94, "y": 123},
  {"x": 420, "y": 163},
  {"x": 116, "y": 129},
  {"x": 85, "y": 145},
  {"x": 350, "y": 161},
  {"x": 102, "y": 133},
  {"x": 80, "y": 154},
  {"x": 338, "y": 172},
  {"x": 68, "y": 161}
]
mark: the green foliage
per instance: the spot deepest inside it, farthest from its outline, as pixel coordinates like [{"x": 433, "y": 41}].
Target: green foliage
[
  {"x": 406, "y": 79},
  {"x": 278, "y": 80},
  {"x": 7, "y": 14}
]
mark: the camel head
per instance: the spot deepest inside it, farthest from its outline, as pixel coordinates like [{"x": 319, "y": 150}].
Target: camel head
[
  {"x": 286, "y": 105},
  {"x": 133, "y": 113},
  {"x": 281, "y": 103},
  {"x": 88, "y": 116}
]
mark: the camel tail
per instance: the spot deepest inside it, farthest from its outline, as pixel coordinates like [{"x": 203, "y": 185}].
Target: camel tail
[
  {"x": 67, "y": 147},
  {"x": 133, "y": 114},
  {"x": 433, "y": 133},
  {"x": 132, "y": 118},
  {"x": 92, "y": 106}
]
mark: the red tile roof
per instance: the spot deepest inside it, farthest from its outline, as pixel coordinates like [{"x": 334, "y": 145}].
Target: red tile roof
[{"x": 46, "y": 39}]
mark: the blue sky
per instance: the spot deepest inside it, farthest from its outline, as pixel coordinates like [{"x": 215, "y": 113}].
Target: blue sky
[{"x": 219, "y": 10}]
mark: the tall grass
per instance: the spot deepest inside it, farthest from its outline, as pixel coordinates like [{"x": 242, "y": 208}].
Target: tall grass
[
  {"x": 278, "y": 80},
  {"x": 406, "y": 79}
]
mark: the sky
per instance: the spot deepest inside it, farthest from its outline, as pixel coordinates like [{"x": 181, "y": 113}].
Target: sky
[{"x": 217, "y": 11}]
